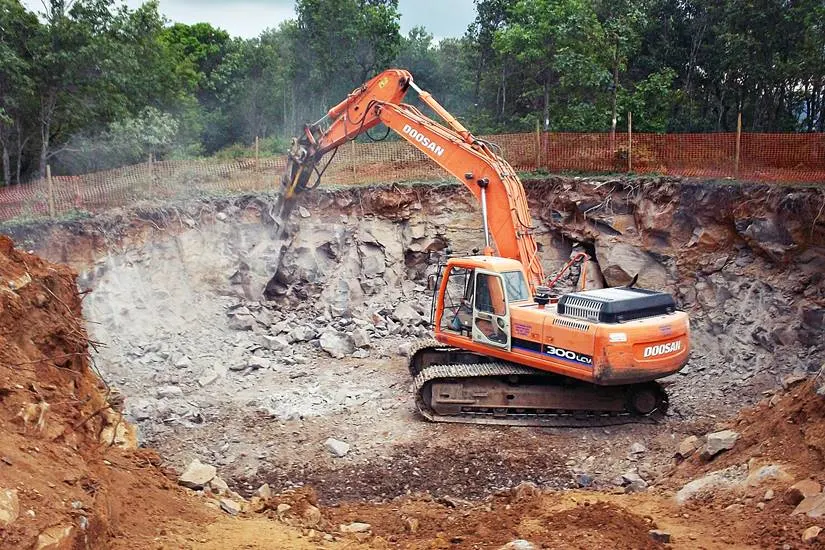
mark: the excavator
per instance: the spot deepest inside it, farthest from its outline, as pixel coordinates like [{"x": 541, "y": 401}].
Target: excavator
[{"x": 508, "y": 350}]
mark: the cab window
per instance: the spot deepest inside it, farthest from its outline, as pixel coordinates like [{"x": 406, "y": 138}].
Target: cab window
[
  {"x": 490, "y": 294},
  {"x": 517, "y": 289}
]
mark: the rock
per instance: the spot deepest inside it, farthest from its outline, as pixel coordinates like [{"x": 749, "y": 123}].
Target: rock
[
  {"x": 169, "y": 391},
  {"x": 687, "y": 446},
  {"x": 633, "y": 482},
  {"x": 813, "y": 506},
  {"x": 526, "y": 490},
  {"x": 183, "y": 363},
  {"x": 620, "y": 262},
  {"x": 55, "y": 538},
  {"x": 274, "y": 343},
  {"x": 404, "y": 313},
  {"x": 717, "y": 442},
  {"x": 311, "y": 516},
  {"x": 208, "y": 377},
  {"x": 256, "y": 363},
  {"x": 637, "y": 449},
  {"x": 197, "y": 475},
  {"x": 519, "y": 544},
  {"x": 264, "y": 491},
  {"x": 9, "y": 506},
  {"x": 303, "y": 212},
  {"x": 230, "y": 506},
  {"x": 769, "y": 495},
  {"x": 220, "y": 216},
  {"x": 793, "y": 379},
  {"x": 336, "y": 344},
  {"x": 811, "y": 533},
  {"x": 801, "y": 490},
  {"x": 301, "y": 334},
  {"x": 411, "y": 525},
  {"x": 659, "y": 535},
  {"x": 355, "y": 527},
  {"x": 583, "y": 480},
  {"x": 218, "y": 485},
  {"x": 337, "y": 448},
  {"x": 360, "y": 354},
  {"x": 241, "y": 322},
  {"x": 283, "y": 508},
  {"x": 360, "y": 338},
  {"x": 405, "y": 349}
]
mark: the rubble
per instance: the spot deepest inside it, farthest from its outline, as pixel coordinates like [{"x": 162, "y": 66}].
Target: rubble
[
  {"x": 811, "y": 533},
  {"x": 337, "y": 448},
  {"x": 717, "y": 442},
  {"x": 687, "y": 446},
  {"x": 336, "y": 344},
  {"x": 9, "y": 506},
  {"x": 355, "y": 527}
]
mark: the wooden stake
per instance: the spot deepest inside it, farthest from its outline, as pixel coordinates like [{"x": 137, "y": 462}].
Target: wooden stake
[
  {"x": 354, "y": 171},
  {"x": 738, "y": 144},
  {"x": 52, "y": 209},
  {"x": 629, "y": 142},
  {"x": 538, "y": 144}
]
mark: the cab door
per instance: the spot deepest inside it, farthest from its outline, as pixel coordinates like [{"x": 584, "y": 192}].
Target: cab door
[{"x": 491, "y": 314}]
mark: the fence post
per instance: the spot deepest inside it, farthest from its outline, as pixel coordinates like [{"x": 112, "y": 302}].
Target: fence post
[
  {"x": 629, "y": 141},
  {"x": 257, "y": 150},
  {"x": 738, "y": 145},
  {"x": 50, "y": 185},
  {"x": 354, "y": 171},
  {"x": 538, "y": 145}
]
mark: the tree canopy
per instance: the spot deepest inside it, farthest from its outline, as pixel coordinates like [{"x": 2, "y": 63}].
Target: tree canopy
[{"x": 89, "y": 84}]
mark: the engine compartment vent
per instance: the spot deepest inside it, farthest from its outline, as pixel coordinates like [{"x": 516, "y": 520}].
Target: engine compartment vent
[{"x": 615, "y": 305}]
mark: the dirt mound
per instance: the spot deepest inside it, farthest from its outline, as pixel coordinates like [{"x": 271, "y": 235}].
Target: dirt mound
[
  {"x": 787, "y": 428},
  {"x": 67, "y": 474}
]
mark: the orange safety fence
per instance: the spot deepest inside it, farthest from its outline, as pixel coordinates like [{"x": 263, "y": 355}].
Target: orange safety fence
[{"x": 772, "y": 158}]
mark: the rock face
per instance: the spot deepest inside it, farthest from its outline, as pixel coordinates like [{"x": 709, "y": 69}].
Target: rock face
[
  {"x": 197, "y": 475},
  {"x": 621, "y": 262},
  {"x": 801, "y": 490},
  {"x": 9, "y": 506}
]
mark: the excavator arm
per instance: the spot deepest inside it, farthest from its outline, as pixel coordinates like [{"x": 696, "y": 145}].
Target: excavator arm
[{"x": 473, "y": 161}]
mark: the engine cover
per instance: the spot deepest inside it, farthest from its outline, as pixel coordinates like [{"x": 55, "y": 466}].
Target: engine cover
[{"x": 615, "y": 305}]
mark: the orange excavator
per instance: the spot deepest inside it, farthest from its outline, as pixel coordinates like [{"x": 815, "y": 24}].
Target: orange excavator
[{"x": 507, "y": 350}]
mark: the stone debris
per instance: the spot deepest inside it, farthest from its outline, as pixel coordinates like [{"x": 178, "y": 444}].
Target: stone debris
[
  {"x": 264, "y": 491},
  {"x": 360, "y": 338},
  {"x": 637, "y": 449},
  {"x": 355, "y": 527},
  {"x": 301, "y": 334},
  {"x": 197, "y": 475},
  {"x": 9, "y": 506},
  {"x": 769, "y": 495},
  {"x": 218, "y": 486},
  {"x": 311, "y": 516},
  {"x": 283, "y": 508},
  {"x": 336, "y": 344},
  {"x": 659, "y": 536},
  {"x": 717, "y": 442},
  {"x": 583, "y": 480},
  {"x": 338, "y": 449},
  {"x": 811, "y": 533},
  {"x": 274, "y": 343},
  {"x": 633, "y": 482},
  {"x": 801, "y": 490},
  {"x": 526, "y": 490},
  {"x": 404, "y": 313},
  {"x": 169, "y": 391}
]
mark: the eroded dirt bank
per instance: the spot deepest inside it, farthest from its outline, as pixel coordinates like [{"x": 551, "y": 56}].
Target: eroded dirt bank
[{"x": 211, "y": 370}]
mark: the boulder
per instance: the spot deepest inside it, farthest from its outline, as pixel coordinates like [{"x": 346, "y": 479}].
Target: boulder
[
  {"x": 404, "y": 313},
  {"x": 813, "y": 506},
  {"x": 9, "y": 506},
  {"x": 405, "y": 349},
  {"x": 311, "y": 516},
  {"x": 620, "y": 262},
  {"x": 801, "y": 490},
  {"x": 218, "y": 486},
  {"x": 264, "y": 491},
  {"x": 811, "y": 533},
  {"x": 355, "y": 527},
  {"x": 360, "y": 337},
  {"x": 301, "y": 334},
  {"x": 633, "y": 482},
  {"x": 197, "y": 475},
  {"x": 230, "y": 506},
  {"x": 55, "y": 538},
  {"x": 337, "y": 448},
  {"x": 659, "y": 536},
  {"x": 336, "y": 344},
  {"x": 717, "y": 442},
  {"x": 687, "y": 446},
  {"x": 637, "y": 449},
  {"x": 241, "y": 322},
  {"x": 519, "y": 544},
  {"x": 274, "y": 343}
]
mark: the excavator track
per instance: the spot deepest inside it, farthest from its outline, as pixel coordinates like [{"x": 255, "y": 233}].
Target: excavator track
[{"x": 456, "y": 386}]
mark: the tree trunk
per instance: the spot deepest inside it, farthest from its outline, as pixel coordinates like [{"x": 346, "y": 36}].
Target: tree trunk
[
  {"x": 6, "y": 165},
  {"x": 503, "y": 87},
  {"x": 546, "y": 113},
  {"x": 613, "y": 118}
]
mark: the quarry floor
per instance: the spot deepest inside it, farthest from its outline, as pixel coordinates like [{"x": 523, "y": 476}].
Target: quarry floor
[{"x": 180, "y": 329}]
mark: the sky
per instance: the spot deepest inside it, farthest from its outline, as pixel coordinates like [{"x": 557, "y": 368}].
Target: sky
[{"x": 247, "y": 18}]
